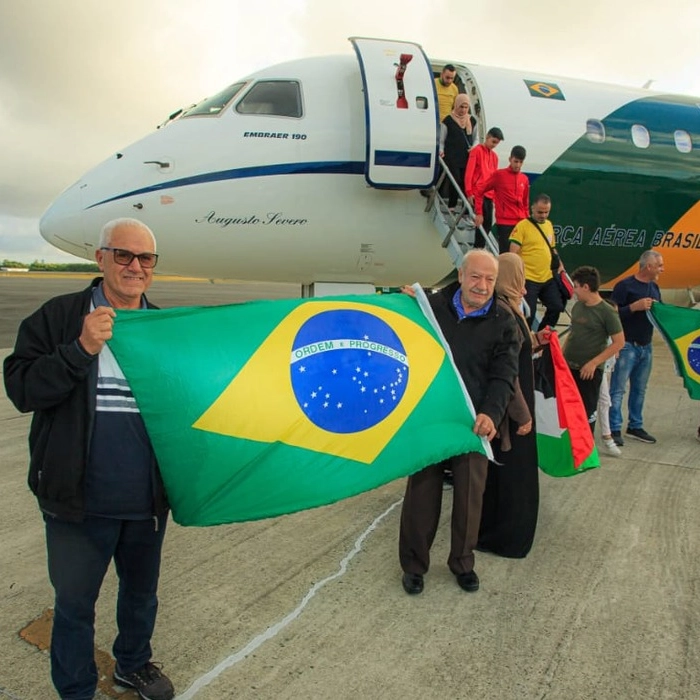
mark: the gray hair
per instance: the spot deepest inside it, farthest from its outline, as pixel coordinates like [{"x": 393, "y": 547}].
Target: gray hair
[
  {"x": 109, "y": 228},
  {"x": 646, "y": 257},
  {"x": 478, "y": 251}
]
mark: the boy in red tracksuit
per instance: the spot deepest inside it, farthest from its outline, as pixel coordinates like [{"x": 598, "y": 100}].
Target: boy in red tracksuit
[
  {"x": 482, "y": 163},
  {"x": 511, "y": 195}
]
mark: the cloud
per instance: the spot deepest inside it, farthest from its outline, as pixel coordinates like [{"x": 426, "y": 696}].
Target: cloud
[
  {"x": 20, "y": 241},
  {"x": 88, "y": 78},
  {"x": 81, "y": 79}
]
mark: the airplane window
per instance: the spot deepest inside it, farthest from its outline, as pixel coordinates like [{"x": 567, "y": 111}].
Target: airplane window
[
  {"x": 640, "y": 136},
  {"x": 281, "y": 98},
  {"x": 595, "y": 131},
  {"x": 213, "y": 106},
  {"x": 683, "y": 141}
]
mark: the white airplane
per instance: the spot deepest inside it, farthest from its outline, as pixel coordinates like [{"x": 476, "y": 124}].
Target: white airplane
[{"x": 310, "y": 171}]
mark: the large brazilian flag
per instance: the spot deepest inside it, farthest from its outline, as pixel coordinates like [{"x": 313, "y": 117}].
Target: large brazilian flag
[
  {"x": 271, "y": 407},
  {"x": 680, "y": 328}
]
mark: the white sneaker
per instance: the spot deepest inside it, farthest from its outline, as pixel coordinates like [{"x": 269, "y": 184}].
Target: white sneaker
[{"x": 610, "y": 448}]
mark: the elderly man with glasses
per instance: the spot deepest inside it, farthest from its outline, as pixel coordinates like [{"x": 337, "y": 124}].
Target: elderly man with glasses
[{"x": 92, "y": 467}]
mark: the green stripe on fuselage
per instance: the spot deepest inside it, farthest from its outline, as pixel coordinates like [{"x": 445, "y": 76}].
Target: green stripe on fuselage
[{"x": 621, "y": 198}]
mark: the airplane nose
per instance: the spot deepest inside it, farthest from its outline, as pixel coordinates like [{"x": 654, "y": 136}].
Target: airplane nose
[{"x": 62, "y": 223}]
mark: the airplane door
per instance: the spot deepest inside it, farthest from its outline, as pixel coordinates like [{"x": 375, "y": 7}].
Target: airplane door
[{"x": 401, "y": 115}]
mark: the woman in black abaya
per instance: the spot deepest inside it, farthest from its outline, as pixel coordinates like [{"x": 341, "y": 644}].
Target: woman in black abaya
[
  {"x": 456, "y": 138},
  {"x": 511, "y": 497}
]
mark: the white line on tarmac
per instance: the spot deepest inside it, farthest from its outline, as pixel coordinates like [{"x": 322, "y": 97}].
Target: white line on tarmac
[{"x": 275, "y": 629}]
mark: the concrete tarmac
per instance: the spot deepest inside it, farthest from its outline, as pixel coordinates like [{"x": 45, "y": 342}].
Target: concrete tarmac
[{"x": 310, "y": 605}]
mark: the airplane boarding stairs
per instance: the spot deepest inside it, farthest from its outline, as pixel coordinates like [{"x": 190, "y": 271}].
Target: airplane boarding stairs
[
  {"x": 456, "y": 228},
  {"x": 458, "y": 233}
]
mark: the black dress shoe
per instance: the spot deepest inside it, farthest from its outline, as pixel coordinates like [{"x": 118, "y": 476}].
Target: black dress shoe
[
  {"x": 468, "y": 582},
  {"x": 412, "y": 583}
]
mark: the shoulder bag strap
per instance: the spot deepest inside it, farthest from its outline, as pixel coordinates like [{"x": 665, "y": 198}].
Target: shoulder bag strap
[
  {"x": 537, "y": 226},
  {"x": 551, "y": 249}
]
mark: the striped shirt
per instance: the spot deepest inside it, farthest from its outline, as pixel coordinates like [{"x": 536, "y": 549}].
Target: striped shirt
[{"x": 121, "y": 463}]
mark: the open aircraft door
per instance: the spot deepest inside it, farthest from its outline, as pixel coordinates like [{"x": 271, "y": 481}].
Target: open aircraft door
[{"x": 401, "y": 115}]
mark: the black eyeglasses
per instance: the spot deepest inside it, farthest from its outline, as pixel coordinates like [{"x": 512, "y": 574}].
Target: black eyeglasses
[{"x": 126, "y": 257}]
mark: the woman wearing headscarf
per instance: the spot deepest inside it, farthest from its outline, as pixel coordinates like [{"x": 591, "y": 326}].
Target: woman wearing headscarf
[
  {"x": 456, "y": 138},
  {"x": 511, "y": 496}
]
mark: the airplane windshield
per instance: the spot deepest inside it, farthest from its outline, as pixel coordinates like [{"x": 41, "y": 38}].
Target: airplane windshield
[
  {"x": 212, "y": 106},
  {"x": 281, "y": 98}
]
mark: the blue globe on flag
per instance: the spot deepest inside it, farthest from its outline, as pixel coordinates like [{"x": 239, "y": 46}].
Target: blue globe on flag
[
  {"x": 694, "y": 355},
  {"x": 349, "y": 370}
]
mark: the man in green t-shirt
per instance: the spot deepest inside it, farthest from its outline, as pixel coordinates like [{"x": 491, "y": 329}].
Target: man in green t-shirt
[{"x": 593, "y": 321}]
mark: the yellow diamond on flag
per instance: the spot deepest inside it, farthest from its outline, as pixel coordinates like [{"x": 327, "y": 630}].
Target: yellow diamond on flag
[
  {"x": 336, "y": 377},
  {"x": 689, "y": 349},
  {"x": 540, "y": 88},
  {"x": 545, "y": 89}
]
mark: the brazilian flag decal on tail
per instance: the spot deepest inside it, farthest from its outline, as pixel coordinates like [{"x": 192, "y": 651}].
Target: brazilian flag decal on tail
[
  {"x": 680, "y": 328},
  {"x": 270, "y": 407},
  {"x": 539, "y": 88}
]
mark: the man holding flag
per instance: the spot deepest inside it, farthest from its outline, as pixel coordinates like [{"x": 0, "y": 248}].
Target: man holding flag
[
  {"x": 482, "y": 336},
  {"x": 92, "y": 468},
  {"x": 633, "y": 297}
]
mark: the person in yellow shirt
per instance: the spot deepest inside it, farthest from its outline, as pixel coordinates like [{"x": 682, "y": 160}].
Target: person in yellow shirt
[
  {"x": 447, "y": 90},
  {"x": 541, "y": 261}
]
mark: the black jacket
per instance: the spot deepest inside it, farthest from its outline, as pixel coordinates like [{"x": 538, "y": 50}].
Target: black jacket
[
  {"x": 485, "y": 350},
  {"x": 50, "y": 375}
]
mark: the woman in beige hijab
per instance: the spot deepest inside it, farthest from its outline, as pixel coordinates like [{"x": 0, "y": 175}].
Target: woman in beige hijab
[
  {"x": 456, "y": 138},
  {"x": 510, "y": 285},
  {"x": 511, "y": 497}
]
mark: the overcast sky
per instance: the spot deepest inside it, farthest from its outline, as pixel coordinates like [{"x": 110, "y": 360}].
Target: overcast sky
[{"x": 80, "y": 79}]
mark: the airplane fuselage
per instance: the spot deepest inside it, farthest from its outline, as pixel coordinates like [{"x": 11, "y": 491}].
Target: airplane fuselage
[{"x": 234, "y": 191}]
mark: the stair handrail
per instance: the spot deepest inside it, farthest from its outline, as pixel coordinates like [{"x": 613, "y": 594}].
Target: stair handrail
[
  {"x": 490, "y": 240},
  {"x": 488, "y": 237}
]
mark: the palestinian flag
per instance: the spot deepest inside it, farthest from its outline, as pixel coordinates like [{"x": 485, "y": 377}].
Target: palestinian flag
[
  {"x": 565, "y": 445},
  {"x": 680, "y": 328}
]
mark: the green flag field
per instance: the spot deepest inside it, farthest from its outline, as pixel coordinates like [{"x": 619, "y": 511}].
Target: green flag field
[{"x": 270, "y": 407}]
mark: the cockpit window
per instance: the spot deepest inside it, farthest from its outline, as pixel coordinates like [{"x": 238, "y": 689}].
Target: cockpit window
[
  {"x": 213, "y": 106},
  {"x": 281, "y": 98}
]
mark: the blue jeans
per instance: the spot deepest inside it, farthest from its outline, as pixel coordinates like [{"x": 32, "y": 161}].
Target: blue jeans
[
  {"x": 633, "y": 365},
  {"x": 78, "y": 557}
]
